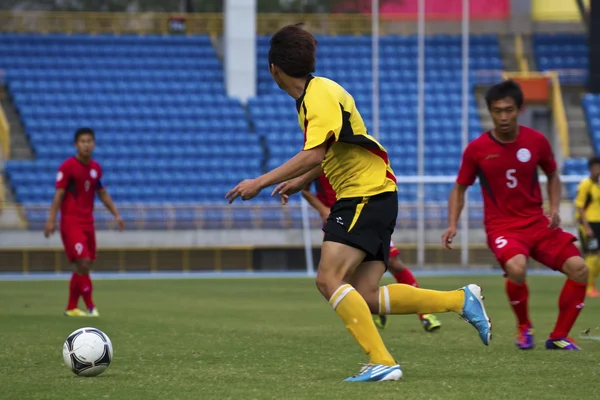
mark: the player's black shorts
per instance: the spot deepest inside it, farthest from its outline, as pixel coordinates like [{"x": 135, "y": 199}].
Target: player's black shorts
[
  {"x": 584, "y": 240},
  {"x": 365, "y": 223}
]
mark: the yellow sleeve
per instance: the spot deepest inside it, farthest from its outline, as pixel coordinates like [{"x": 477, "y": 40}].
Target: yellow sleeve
[
  {"x": 323, "y": 118},
  {"x": 582, "y": 193}
]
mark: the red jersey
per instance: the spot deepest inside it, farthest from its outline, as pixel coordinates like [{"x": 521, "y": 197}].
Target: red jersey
[
  {"x": 508, "y": 175},
  {"x": 325, "y": 192},
  {"x": 80, "y": 182}
]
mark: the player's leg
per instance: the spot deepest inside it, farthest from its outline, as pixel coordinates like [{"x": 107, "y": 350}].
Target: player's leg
[
  {"x": 591, "y": 259},
  {"x": 338, "y": 262},
  {"x": 556, "y": 250},
  {"x": 404, "y": 276},
  {"x": 85, "y": 267},
  {"x": 511, "y": 251},
  {"x": 70, "y": 237}
]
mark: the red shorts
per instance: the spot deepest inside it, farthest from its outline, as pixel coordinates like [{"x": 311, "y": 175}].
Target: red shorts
[
  {"x": 393, "y": 250},
  {"x": 549, "y": 246},
  {"x": 79, "y": 241}
]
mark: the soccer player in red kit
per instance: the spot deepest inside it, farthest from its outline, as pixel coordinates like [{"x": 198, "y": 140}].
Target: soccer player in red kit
[
  {"x": 322, "y": 201},
  {"x": 506, "y": 160},
  {"x": 77, "y": 182}
]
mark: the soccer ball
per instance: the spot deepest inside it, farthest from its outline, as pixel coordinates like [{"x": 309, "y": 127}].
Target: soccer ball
[{"x": 87, "y": 352}]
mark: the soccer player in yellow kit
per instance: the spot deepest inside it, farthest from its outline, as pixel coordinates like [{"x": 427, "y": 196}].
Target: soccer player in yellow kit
[
  {"x": 355, "y": 248},
  {"x": 587, "y": 204}
]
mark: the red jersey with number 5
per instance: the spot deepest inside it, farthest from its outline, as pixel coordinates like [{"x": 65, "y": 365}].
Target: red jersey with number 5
[
  {"x": 80, "y": 182},
  {"x": 508, "y": 175}
]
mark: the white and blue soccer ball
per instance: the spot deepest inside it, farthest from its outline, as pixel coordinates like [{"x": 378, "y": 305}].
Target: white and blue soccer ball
[{"x": 87, "y": 352}]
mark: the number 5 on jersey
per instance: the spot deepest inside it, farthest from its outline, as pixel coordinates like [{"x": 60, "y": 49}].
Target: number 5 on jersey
[
  {"x": 501, "y": 242},
  {"x": 511, "y": 180}
]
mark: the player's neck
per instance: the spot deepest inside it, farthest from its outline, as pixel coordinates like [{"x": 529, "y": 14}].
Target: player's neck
[
  {"x": 295, "y": 87},
  {"x": 507, "y": 137},
  {"x": 83, "y": 159}
]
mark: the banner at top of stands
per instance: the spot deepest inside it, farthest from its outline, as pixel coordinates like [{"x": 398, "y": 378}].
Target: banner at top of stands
[
  {"x": 434, "y": 9},
  {"x": 556, "y": 10}
]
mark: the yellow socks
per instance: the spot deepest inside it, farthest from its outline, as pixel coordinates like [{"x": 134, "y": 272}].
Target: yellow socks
[
  {"x": 354, "y": 311},
  {"x": 593, "y": 263},
  {"x": 406, "y": 299}
]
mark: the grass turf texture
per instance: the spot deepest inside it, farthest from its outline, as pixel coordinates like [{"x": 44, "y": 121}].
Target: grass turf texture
[{"x": 278, "y": 339}]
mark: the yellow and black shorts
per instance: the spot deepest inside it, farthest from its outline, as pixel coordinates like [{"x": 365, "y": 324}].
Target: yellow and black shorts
[
  {"x": 365, "y": 223},
  {"x": 583, "y": 239}
]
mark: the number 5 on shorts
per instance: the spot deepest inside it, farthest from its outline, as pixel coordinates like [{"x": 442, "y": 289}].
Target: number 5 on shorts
[{"x": 501, "y": 242}]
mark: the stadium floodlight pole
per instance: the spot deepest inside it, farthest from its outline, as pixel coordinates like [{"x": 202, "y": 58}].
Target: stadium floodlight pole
[
  {"x": 464, "y": 222},
  {"x": 375, "y": 66},
  {"x": 421, "y": 136},
  {"x": 310, "y": 262}
]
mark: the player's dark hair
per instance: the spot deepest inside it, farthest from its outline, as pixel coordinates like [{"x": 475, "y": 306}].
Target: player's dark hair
[
  {"x": 502, "y": 90},
  {"x": 593, "y": 161},
  {"x": 293, "y": 50},
  {"x": 83, "y": 131}
]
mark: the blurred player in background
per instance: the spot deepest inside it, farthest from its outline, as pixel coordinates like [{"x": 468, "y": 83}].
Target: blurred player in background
[
  {"x": 506, "y": 161},
  {"x": 587, "y": 204},
  {"x": 77, "y": 182},
  {"x": 355, "y": 249},
  {"x": 322, "y": 201}
]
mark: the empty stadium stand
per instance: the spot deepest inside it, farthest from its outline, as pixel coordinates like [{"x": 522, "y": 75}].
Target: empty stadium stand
[{"x": 565, "y": 53}]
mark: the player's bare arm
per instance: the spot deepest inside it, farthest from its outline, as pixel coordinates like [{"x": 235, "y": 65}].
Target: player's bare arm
[
  {"x": 110, "y": 206},
  {"x": 456, "y": 202},
  {"x": 298, "y": 165},
  {"x": 51, "y": 222},
  {"x": 554, "y": 192},
  {"x": 293, "y": 186},
  {"x": 317, "y": 204}
]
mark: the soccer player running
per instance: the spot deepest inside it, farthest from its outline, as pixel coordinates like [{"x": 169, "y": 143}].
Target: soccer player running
[
  {"x": 77, "y": 182},
  {"x": 587, "y": 204},
  {"x": 506, "y": 160},
  {"x": 322, "y": 201},
  {"x": 355, "y": 249}
]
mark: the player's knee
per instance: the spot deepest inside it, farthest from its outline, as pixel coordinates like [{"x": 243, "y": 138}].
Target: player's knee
[
  {"x": 576, "y": 269},
  {"x": 83, "y": 265},
  {"x": 327, "y": 283},
  {"x": 395, "y": 265},
  {"x": 516, "y": 269}
]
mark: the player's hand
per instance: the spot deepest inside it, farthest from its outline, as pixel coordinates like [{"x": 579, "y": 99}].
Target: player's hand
[
  {"x": 589, "y": 232},
  {"x": 49, "y": 228},
  {"x": 448, "y": 237},
  {"x": 288, "y": 188},
  {"x": 120, "y": 223},
  {"x": 554, "y": 219},
  {"x": 247, "y": 189},
  {"x": 324, "y": 216}
]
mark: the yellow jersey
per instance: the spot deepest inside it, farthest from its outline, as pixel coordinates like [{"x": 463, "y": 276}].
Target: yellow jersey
[
  {"x": 355, "y": 164},
  {"x": 588, "y": 199}
]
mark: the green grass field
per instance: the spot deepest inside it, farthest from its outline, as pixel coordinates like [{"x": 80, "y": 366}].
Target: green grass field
[{"x": 278, "y": 339}]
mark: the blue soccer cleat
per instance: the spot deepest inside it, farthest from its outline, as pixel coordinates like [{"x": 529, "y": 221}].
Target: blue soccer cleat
[
  {"x": 474, "y": 313},
  {"x": 377, "y": 373}
]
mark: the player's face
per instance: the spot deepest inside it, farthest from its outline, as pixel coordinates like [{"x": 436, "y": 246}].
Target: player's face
[
  {"x": 275, "y": 75},
  {"x": 85, "y": 145},
  {"x": 595, "y": 171},
  {"x": 504, "y": 114}
]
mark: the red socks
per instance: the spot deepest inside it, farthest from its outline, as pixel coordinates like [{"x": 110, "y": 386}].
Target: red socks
[
  {"x": 73, "y": 292},
  {"x": 570, "y": 305},
  {"x": 80, "y": 285},
  {"x": 518, "y": 295},
  {"x": 85, "y": 287},
  {"x": 406, "y": 277}
]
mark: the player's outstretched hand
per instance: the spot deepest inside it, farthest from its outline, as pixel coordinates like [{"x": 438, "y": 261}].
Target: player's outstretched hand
[
  {"x": 247, "y": 189},
  {"x": 448, "y": 237},
  {"x": 288, "y": 188},
  {"x": 120, "y": 223},
  {"x": 49, "y": 228},
  {"x": 554, "y": 219}
]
